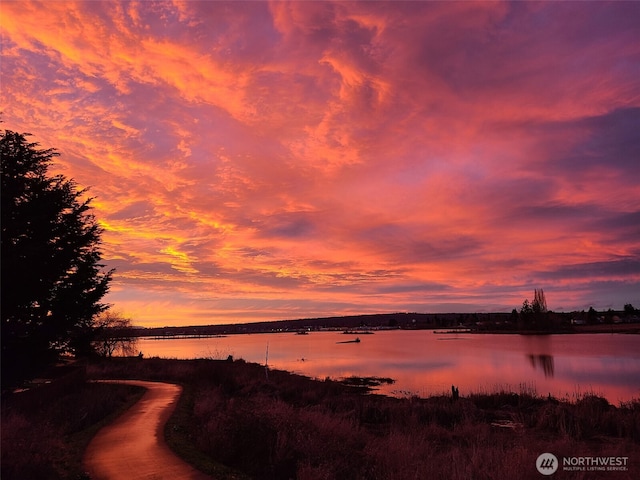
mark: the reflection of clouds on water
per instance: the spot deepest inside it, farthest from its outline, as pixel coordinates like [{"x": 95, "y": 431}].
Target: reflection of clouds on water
[
  {"x": 543, "y": 362},
  {"x": 602, "y": 371},
  {"x": 422, "y": 365},
  {"x": 216, "y": 353}
]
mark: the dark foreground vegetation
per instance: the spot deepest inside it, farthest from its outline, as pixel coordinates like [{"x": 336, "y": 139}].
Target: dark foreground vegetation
[
  {"x": 46, "y": 430},
  {"x": 282, "y": 426}
]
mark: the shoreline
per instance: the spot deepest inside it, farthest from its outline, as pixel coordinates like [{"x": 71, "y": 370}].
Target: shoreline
[
  {"x": 623, "y": 328},
  {"x": 230, "y": 414}
]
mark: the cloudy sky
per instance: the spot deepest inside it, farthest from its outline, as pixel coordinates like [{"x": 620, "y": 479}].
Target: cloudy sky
[{"x": 262, "y": 161}]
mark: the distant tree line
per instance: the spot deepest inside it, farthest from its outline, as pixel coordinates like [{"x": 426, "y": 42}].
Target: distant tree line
[{"x": 534, "y": 315}]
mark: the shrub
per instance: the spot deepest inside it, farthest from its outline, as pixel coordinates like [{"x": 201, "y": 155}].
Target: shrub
[{"x": 288, "y": 426}]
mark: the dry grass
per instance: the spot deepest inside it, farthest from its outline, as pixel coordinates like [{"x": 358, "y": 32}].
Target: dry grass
[
  {"x": 44, "y": 435},
  {"x": 289, "y": 426}
]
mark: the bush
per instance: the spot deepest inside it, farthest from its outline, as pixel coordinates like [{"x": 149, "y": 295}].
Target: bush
[{"x": 288, "y": 426}]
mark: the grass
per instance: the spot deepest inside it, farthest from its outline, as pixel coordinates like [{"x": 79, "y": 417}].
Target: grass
[
  {"x": 44, "y": 436},
  {"x": 179, "y": 437},
  {"x": 233, "y": 422}
]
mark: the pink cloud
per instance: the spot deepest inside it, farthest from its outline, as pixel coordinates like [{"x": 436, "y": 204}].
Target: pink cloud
[{"x": 289, "y": 159}]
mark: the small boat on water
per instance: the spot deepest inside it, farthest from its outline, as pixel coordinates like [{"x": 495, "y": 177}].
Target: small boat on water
[{"x": 356, "y": 340}]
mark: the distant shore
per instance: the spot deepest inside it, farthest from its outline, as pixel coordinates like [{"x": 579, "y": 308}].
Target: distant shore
[
  {"x": 500, "y": 322},
  {"x": 619, "y": 328}
]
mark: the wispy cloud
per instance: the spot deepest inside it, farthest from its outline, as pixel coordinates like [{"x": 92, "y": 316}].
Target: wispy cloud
[{"x": 265, "y": 160}]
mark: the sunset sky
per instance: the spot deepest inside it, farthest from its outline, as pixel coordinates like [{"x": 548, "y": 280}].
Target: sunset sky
[{"x": 264, "y": 161}]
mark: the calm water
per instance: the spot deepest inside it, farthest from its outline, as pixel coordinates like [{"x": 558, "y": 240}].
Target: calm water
[{"x": 425, "y": 363}]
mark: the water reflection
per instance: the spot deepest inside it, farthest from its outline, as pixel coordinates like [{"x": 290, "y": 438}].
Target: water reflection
[
  {"x": 540, "y": 353},
  {"x": 424, "y": 365},
  {"x": 543, "y": 362}
]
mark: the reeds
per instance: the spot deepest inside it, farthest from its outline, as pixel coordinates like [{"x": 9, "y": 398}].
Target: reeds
[
  {"x": 44, "y": 434},
  {"x": 293, "y": 427}
]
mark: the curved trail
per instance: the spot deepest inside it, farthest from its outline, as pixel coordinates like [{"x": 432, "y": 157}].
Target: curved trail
[{"x": 133, "y": 447}]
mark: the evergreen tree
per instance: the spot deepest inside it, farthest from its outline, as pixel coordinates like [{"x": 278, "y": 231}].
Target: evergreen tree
[{"x": 52, "y": 279}]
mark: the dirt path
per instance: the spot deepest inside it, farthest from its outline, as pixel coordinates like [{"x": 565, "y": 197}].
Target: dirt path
[{"x": 133, "y": 446}]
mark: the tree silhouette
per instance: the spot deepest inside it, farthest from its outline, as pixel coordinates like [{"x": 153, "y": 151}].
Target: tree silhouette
[
  {"x": 535, "y": 314},
  {"x": 113, "y": 333},
  {"x": 52, "y": 279},
  {"x": 539, "y": 304}
]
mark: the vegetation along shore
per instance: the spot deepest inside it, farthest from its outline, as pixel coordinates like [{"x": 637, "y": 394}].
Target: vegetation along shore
[{"x": 234, "y": 421}]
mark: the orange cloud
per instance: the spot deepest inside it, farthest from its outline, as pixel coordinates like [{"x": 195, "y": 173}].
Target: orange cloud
[{"x": 290, "y": 159}]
